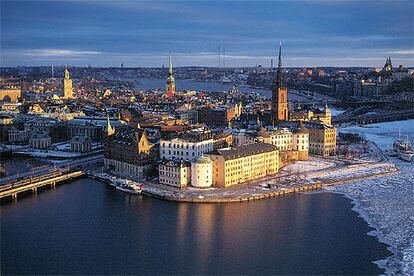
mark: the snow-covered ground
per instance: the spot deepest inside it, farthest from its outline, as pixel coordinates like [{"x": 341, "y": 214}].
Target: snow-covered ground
[{"x": 387, "y": 203}]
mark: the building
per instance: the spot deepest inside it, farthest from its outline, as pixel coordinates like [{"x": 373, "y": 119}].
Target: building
[
  {"x": 81, "y": 143},
  {"x": 222, "y": 139},
  {"x": 279, "y": 107},
  {"x": 387, "y": 66},
  {"x": 324, "y": 116},
  {"x": 232, "y": 166},
  {"x": 94, "y": 127},
  {"x": 300, "y": 142},
  {"x": 11, "y": 107},
  {"x": 322, "y": 138},
  {"x": 10, "y": 95},
  {"x": 18, "y": 136},
  {"x": 202, "y": 172},
  {"x": 40, "y": 140},
  {"x": 170, "y": 86},
  {"x": 175, "y": 173},
  {"x": 67, "y": 86},
  {"x": 217, "y": 117},
  {"x": 186, "y": 146},
  {"x": 128, "y": 153}
]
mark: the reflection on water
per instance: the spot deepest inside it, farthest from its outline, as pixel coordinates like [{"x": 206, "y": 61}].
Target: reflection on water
[{"x": 89, "y": 227}]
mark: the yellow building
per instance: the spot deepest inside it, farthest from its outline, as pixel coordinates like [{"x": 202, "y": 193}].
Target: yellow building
[
  {"x": 322, "y": 138},
  {"x": 324, "y": 116},
  {"x": 232, "y": 166},
  {"x": 10, "y": 95},
  {"x": 67, "y": 86}
]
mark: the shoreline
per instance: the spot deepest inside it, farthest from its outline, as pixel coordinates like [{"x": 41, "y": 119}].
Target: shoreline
[
  {"x": 375, "y": 232},
  {"x": 264, "y": 195}
]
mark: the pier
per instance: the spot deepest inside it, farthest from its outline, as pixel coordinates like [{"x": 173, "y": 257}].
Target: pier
[{"x": 13, "y": 189}]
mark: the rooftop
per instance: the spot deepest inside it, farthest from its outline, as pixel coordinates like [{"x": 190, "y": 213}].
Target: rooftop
[{"x": 244, "y": 150}]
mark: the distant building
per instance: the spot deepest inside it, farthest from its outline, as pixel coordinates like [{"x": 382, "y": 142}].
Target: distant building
[
  {"x": 217, "y": 117},
  {"x": 67, "y": 86},
  {"x": 81, "y": 143},
  {"x": 40, "y": 140},
  {"x": 18, "y": 136},
  {"x": 324, "y": 116},
  {"x": 170, "y": 86},
  {"x": 232, "y": 166},
  {"x": 10, "y": 95},
  {"x": 387, "y": 66}
]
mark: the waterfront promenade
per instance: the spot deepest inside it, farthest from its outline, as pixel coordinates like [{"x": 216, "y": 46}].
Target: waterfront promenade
[{"x": 272, "y": 186}]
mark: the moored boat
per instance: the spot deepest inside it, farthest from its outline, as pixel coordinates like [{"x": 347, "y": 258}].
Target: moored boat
[{"x": 403, "y": 149}]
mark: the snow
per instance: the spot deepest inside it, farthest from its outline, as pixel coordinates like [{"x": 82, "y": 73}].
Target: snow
[
  {"x": 48, "y": 153},
  {"x": 386, "y": 203}
]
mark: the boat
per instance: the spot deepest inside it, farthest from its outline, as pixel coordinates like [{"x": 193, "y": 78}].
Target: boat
[
  {"x": 129, "y": 188},
  {"x": 403, "y": 149},
  {"x": 391, "y": 152}
]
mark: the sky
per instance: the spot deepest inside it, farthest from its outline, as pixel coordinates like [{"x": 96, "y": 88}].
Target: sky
[{"x": 143, "y": 33}]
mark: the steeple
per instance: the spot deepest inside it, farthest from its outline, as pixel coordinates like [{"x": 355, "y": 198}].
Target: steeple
[
  {"x": 170, "y": 85},
  {"x": 279, "y": 82},
  {"x": 109, "y": 129},
  {"x": 67, "y": 76},
  {"x": 169, "y": 59}
]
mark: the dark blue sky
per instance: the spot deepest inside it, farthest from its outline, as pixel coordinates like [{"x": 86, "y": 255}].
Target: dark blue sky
[{"x": 141, "y": 33}]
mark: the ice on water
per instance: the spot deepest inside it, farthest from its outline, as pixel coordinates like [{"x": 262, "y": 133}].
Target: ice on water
[{"x": 387, "y": 203}]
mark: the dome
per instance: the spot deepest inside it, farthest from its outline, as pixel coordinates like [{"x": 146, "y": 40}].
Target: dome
[{"x": 202, "y": 160}]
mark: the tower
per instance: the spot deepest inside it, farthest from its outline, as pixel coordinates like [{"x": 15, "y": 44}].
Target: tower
[
  {"x": 170, "y": 87},
  {"x": 280, "y": 110},
  {"x": 109, "y": 129},
  {"x": 67, "y": 85},
  {"x": 328, "y": 115}
]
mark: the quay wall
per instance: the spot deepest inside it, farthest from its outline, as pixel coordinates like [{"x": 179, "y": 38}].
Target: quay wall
[{"x": 265, "y": 195}]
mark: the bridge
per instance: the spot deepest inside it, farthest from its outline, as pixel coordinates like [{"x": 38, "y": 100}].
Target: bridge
[
  {"x": 63, "y": 167},
  {"x": 32, "y": 184}
]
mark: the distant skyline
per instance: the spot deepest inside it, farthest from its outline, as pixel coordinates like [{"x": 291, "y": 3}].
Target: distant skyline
[{"x": 142, "y": 33}]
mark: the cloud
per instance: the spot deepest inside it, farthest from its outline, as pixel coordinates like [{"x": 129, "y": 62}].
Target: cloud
[
  {"x": 58, "y": 53},
  {"x": 400, "y": 52}
]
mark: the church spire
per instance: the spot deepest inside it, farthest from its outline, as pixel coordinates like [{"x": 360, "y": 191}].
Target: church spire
[
  {"x": 67, "y": 76},
  {"x": 109, "y": 129},
  {"x": 279, "y": 82},
  {"x": 169, "y": 59}
]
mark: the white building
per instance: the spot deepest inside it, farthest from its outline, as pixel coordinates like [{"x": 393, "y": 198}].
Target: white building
[
  {"x": 282, "y": 138},
  {"x": 40, "y": 141},
  {"x": 184, "y": 149},
  {"x": 176, "y": 173},
  {"x": 81, "y": 143},
  {"x": 18, "y": 136},
  {"x": 202, "y": 172}
]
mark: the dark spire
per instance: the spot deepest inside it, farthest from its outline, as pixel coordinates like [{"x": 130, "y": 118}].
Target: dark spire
[{"x": 279, "y": 69}]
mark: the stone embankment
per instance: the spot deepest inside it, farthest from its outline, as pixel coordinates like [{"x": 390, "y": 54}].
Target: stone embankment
[{"x": 277, "y": 186}]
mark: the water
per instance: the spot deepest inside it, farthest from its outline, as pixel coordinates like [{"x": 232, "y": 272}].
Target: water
[{"x": 87, "y": 227}]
